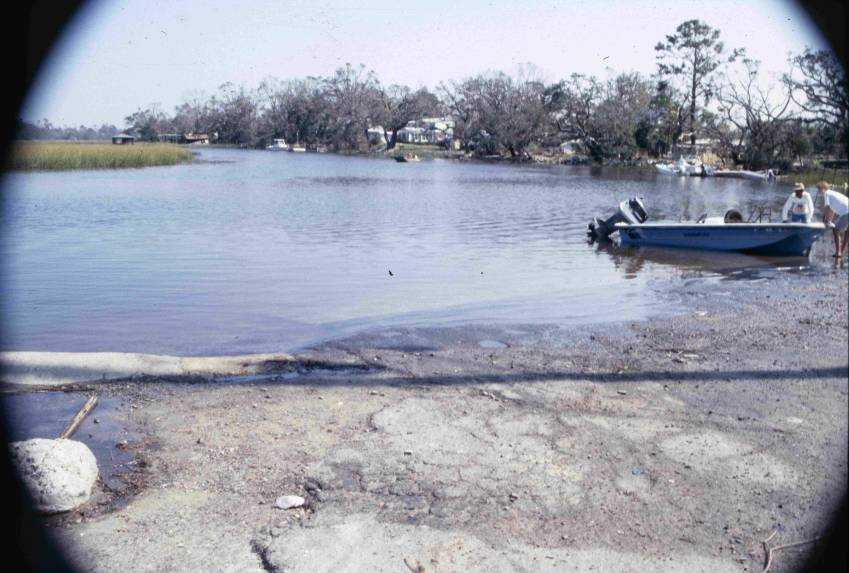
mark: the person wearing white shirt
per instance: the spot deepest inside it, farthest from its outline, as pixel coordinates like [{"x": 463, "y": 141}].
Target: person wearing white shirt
[
  {"x": 835, "y": 206},
  {"x": 799, "y": 206}
]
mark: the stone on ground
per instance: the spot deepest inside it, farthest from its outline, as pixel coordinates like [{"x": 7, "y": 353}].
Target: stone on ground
[{"x": 59, "y": 474}]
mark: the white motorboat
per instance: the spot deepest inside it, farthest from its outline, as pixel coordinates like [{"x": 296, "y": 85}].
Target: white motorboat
[
  {"x": 297, "y": 148},
  {"x": 767, "y": 175},
  {"x": 691, "y": 167},
  {"x": 278, "y": 145}
]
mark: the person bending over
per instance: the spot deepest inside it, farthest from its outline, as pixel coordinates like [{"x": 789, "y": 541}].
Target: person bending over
[
  {"x": 799, "y": 206},
  {"x": 835, "y": 215}
]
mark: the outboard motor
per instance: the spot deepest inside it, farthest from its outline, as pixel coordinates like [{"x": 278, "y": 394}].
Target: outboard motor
[{"x": 631, "y": 211}]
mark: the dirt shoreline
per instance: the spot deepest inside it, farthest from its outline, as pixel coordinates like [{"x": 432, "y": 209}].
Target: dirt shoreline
[{"x": 663, "y": 445}]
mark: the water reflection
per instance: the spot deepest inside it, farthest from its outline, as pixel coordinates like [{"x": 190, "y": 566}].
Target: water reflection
[{"x": 631, "y": 261}]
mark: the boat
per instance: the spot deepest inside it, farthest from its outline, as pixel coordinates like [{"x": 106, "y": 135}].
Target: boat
[
  {"x": 767, "y": 175},
  {"x": 407, "y": 158},
  {"x": 278, "y": 145},
  {"x": 726, "y": 173},
  {"x": 297, "y": 148},
  {"x": 727, "y": 233},
  {"x": 688, "y": 167}
]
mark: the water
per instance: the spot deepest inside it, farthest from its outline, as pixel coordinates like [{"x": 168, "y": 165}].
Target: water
[
  {"x": 45, "y": 414},
  {"x": 254, "y": 251}
]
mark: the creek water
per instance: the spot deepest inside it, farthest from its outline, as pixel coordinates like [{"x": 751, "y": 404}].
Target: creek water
[{"x": 255, "y": 251}]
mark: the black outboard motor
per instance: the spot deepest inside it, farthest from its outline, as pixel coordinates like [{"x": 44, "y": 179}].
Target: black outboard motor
[{"x": 631, "y": 211}]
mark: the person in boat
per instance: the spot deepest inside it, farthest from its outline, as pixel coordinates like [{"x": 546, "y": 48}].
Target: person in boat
[
  {"x": 836, "y": 216},
  {"x": 799, "y": 207}
]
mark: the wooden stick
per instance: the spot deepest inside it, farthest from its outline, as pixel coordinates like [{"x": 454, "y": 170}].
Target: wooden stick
[
  {"x": 78, "y": 419},
  {"x": 770, "y": 550}
]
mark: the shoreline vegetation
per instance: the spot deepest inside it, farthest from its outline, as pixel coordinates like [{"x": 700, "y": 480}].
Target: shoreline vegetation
[
  {"x": 60, "y": 156},
  {"x": 70, "y": 155},
  {"x": 705, "y": 100}
]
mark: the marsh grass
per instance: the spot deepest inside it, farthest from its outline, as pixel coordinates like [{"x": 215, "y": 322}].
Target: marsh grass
[
  {"x": 39, "y": 155},
  {"x": 836, "y": 177}
]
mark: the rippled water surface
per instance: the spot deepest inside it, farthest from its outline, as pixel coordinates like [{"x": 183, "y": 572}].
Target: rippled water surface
[{"x": 247, "y": 251}]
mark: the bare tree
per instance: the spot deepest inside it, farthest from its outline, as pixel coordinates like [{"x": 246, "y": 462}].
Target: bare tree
[
  {"x": 402, "y": 105},
  {"x": 604, "y": 116},
  {"x": 353, "y": 97},
  {"x": 818, "y": 85},
  {"x": 147, "y": 123},
  {"x": 754, "y": 119}
]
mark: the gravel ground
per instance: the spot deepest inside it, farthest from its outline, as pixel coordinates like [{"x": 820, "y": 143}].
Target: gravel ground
[{"x": 665, "y": 445}]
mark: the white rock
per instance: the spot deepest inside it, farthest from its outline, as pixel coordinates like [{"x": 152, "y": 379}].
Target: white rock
[
  {"x": 289, "y": 501},
  {"x": 59, "y": 474}
]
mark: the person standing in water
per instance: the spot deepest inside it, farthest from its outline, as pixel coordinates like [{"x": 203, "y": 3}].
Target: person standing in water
[
  {"x": 799, "y": 206},
  {"x": 835, "y": 206}
]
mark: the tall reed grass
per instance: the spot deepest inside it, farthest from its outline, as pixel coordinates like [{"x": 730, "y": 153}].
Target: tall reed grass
[
  {"x": 836, "y": 177},
  {"x": 39, "y": 155}
]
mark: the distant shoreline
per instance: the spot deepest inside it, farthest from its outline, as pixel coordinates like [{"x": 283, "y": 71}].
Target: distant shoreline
[{"x": 34, "y": 155}]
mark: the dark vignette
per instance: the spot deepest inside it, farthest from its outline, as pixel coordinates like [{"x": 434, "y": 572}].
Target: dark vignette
[{"x": 29, "y": 29}]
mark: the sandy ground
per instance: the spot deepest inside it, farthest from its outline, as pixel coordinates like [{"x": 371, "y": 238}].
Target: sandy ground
[{"x": 667, "y": 445}]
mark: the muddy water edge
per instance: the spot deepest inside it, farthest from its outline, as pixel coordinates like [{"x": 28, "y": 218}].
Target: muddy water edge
[{"x": 680, "y": 442}]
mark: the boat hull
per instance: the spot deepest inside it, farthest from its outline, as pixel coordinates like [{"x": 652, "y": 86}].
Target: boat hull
[{"x": 769, "y": 239}]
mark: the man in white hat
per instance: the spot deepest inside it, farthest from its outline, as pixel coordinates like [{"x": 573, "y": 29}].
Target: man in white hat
[
  {"x": 799, "y": 206},
  {"x": 835, "y": 206}
]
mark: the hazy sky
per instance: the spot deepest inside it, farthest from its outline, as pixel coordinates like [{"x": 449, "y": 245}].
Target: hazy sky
[{"x": 122, "y": 55}]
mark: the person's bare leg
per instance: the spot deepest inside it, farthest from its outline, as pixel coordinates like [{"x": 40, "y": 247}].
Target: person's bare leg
[{"x": 836, "y": 235}]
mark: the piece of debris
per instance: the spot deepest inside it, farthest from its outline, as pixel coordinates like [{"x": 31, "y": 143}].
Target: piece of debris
[
  {"x": 289, "y": 502},
  {"x": 79, "y": 417},
  {"x": 622, "y": 392},
  {"x": 414, "y": 565}
]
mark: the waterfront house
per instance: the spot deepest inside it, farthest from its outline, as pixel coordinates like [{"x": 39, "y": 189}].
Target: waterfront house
[
  {"x": 123, "y": 139},
  {"x": 433, "y": 130},
  {"x": 375, "y": 135}
]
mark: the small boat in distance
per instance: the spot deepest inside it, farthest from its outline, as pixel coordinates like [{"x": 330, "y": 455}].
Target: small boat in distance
[
  {"x": 297, "y": 148},
  {"x": 688, "y": 167},
  {"x": 767, "y": 175},
  {"x": 278, "y": 145},
  {"x": 407, "y": 158},
  {"x": 728, "y": 233}
]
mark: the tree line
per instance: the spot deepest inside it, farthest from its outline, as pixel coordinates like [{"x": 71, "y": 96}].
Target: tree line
[{"x": 701, "y": 90}]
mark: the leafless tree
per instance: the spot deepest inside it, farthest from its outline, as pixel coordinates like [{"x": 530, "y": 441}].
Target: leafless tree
[
  {"x": 818, "y": 85},
  {"x": 402, "y": 105},
  {"x": 754, "y": 119}
]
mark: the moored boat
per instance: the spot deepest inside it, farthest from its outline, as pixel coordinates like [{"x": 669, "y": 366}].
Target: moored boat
[
  {"x": 767, "y": 175},
  {"x": 407, "y": 158},
  {"x": 278, "y": 145}
]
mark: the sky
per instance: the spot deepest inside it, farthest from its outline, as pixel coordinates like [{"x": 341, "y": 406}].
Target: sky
[{"x": 121, "y": 55}]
